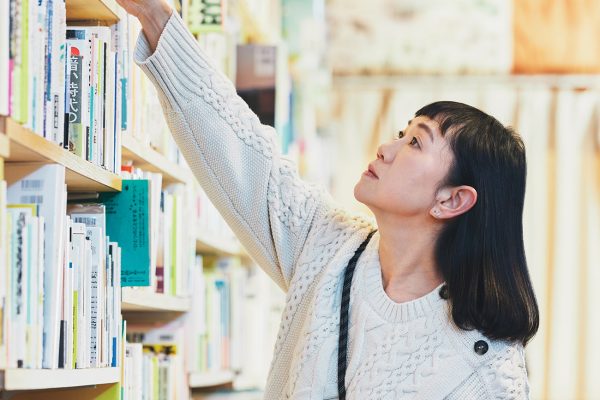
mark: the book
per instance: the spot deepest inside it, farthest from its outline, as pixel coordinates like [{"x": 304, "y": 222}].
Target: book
[
  {"x": 206, "y": 15},
  {"x": 5, "y": 277},
  {"x": 60, "y": 303},
  {"x": 102, "y": 93},
  {"x": 25, "y": 261},
  {"x": 55, "y": 70},
  {"x": 78, "y": 115},
  {"x": 214, "y": 327},
  {"x": 133, "y": 382},
  {"x": 161, "y": 369},
  {"x": 4, "y": 57},
  {"x": 44, "y": 185},
  {"x": 19, "y": 60},
  {"x": 128, "y": 222},
  {"x": 94, "y": 218}
]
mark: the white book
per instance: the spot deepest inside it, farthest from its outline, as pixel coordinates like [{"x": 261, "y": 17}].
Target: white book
[
  {"x": 101, "y": 299},
  {"x": 109, "y": 114},
  {"x": 146, "y": 378},
  {"x": 66, "y": 331},
  {"x": 57, "y": 56},
  {"x": 36, "y": 65},
  {"x": 116, "y": 312},
  {"x": 101, "y": 106},
  {"x": 114, "y": 303},
  {"x": 44, "y": 184},
  {"x": 37, "y": 297},
  {"x": 97, "y": 245},
  {"x": 5, "y": 277},
  {"x": 154, "y": 194},
  {"x": 126, "y": 377},
  {"x": 164, "y": 380},
  {"x": 77, "y": 262},
  {"x": 94, "y": 102},
  {"x": 135, "y": 384},
  {"x": 118, "y": 114},
  {"x": 29, "y": 272},
  {"x": 214, "y": 328},
  {"x": 4, "y": 58},
  {"x": 119, "y": 43},
  {"x": 19, "y": 264},
  {"x": 84, "y": 346},
  {"x": 167, "y": 247},
  {"x": 107, "y": 304}
]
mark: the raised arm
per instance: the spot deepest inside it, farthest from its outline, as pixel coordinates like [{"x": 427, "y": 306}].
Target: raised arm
[{"x": 234, "y": 157}]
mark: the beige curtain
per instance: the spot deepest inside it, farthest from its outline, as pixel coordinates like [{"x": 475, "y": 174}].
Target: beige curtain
[{"x": 559, "y": 120}]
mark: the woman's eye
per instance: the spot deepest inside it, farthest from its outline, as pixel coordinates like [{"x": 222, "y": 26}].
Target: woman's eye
[
  {"x": 400, "y": 134},
  {"x": 414, "y": 141}
]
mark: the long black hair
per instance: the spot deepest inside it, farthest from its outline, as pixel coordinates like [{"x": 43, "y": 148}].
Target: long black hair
[{"x": 480, "y": 253}]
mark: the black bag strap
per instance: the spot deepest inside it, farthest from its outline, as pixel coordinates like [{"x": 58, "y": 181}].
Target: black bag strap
[{"x": 343, "y": 338}]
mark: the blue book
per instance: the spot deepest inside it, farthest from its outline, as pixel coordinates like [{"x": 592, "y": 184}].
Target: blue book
[{"x": 128, "y": 223}]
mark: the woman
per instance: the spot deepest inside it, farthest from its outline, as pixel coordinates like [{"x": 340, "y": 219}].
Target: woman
[{"x": 441, "y": 303}]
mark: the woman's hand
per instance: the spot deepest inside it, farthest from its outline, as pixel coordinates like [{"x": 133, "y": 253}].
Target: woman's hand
[{"x": 153, "y": 15}]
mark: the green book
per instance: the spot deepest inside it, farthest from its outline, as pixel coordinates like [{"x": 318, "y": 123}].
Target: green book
[{"x": 128, "y": 223}]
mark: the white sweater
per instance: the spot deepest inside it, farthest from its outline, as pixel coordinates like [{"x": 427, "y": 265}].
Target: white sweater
[{"x": 396, "y": 351}]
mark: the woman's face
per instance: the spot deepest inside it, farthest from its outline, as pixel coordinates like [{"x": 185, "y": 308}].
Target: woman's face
[{"x": 404, "y": 178}]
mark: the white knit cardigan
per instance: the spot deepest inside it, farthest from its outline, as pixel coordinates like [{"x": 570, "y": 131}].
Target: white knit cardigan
[{"x": 396, "y": 351}]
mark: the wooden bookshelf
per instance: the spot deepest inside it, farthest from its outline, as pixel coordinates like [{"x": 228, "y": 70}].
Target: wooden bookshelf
[
  {"x": 34, "y": 379},
  {"x": 141, "y": 300},
  {"x": 209, "y": 379},
  {"x": 149, "y": 159},
  {"x": 107, "y": 11},
  {"x": 4, "y": 146},
  {"x": 81, "y": 175},
  {"x": 207, "y": 244}
]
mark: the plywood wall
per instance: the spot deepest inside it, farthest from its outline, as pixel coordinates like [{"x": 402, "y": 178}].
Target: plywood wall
[{"x": 556, "y": 36}]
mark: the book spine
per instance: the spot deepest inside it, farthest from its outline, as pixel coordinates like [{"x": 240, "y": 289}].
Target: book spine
[{"x": 78, "y": 96}]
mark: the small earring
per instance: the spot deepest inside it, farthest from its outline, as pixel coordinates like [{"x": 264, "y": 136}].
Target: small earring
[{"x": 436, "y": 212}]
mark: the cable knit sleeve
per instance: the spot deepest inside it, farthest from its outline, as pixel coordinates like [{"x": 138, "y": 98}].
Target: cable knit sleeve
[
  {"x": 234, "y": 157},
  {"x": 506, "y": 374}
]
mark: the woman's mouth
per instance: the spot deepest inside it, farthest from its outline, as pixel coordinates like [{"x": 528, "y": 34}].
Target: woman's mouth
[{"x": 370, "y": 172}]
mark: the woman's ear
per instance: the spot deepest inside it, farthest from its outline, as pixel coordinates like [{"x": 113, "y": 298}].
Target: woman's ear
[{"x": 452, "y": 202}]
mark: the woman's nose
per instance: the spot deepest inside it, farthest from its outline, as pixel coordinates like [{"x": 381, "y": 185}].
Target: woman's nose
[
  {"x": 380, "y": 153},
  {"x": 385, "y": 152}
]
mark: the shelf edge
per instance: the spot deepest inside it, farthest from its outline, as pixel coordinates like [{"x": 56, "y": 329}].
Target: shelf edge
[
  {"x": 34, "y": 379},
  {"x": 38, "y": 148},
  {"x": 132, "y": 300},
  {"x": 199, "y": 380}
]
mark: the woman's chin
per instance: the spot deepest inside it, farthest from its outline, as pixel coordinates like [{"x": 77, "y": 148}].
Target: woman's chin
[{"x": 359, "y": 193}]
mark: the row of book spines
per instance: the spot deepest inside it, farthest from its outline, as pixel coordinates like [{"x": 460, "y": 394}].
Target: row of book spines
[
  {"x": 94, "y": 315},
  {"x": 214, "y": 343},
  {"x": 151, "y": 369},
  {"x": 87, "y": 332},
  {"x": 214, "y": 354},
  {"x": 94, "y": 85},
  {"x": 39, "y": 89}
]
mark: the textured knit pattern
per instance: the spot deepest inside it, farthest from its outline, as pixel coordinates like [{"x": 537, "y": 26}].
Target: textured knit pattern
[{"x": 395, "y": 351}]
